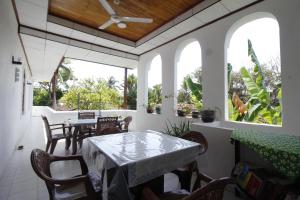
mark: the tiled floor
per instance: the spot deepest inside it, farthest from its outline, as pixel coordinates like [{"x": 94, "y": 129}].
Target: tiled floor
[{"x": 19, "y": 180}]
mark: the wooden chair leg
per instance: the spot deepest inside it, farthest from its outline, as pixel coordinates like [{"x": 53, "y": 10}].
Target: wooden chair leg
[
  {"x": 53, "y": 145},
  {"x": 68, "y": 143},
  {"x": 48, "y": 145}
]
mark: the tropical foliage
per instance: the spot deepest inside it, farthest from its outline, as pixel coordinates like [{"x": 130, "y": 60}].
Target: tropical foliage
[
  {"x": 190, "y": 94},
  {"x": 132, "y": 91},
  {"x": 41, "y": 96},
  {"x": 92, "y": 95},
  {"x": 255, "y": 93},
  {"x": 47, "y": 93},
  {"x": 177, "y": 130},
  {"x": 154, "y": 96}
]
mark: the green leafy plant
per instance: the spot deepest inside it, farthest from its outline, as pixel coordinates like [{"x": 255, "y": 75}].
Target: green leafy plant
[
  {"x": 94, "y": 95},
  {"x": 259, "y": 107},
  {"x": 177, "y": 130},
  {"x": 155, "y": 94},
  {"x": 196, "y": 89},
  {"x": 132, "y": 91}
]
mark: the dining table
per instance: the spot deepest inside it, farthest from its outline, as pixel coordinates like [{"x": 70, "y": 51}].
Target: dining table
[
  {"x": 77, "y": 124},
  {"x": 127, "y": 160}
]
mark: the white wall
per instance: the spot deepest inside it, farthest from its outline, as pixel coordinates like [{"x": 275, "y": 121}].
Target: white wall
[
  {"x": 63, "y": 116},
  {"x": 212, "y": 41},
  {"x": 12, "y": 121}
]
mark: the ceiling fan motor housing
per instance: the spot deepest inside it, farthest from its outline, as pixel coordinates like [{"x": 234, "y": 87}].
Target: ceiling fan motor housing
[
  {"x": 121, "y": 25},
  {"x": 115, "y": 19}
]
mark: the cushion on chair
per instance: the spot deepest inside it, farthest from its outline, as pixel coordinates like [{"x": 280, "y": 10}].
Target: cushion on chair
[{"x": 71, "y": 192}]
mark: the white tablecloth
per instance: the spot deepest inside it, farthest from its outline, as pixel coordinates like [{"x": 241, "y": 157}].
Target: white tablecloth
[{"x": 140, "y": 156}]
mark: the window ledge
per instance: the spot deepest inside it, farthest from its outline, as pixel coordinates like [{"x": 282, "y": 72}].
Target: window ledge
[{"x": 215, "y": 124}]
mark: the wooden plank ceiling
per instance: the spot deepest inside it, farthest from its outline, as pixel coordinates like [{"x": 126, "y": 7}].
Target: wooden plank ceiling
[{"x": 92, "y": 14}]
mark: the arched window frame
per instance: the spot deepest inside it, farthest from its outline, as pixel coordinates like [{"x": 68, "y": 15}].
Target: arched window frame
[
  {"x": 230, "y": 33},
  {"x": 149, "y": 66},
  {"x": 180, "y": 49}
]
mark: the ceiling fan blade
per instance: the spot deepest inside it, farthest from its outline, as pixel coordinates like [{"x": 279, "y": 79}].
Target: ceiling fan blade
[
  {"x": 106, "y": 24},
  {"x": 136, "y": 19},
  {"x": 107, "y": 7}
]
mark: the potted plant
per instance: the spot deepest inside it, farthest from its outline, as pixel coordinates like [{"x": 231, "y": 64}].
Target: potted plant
[
  {"x": 180, "y": 113},
  {"x": 177, "y": 130},
  {"x": 207, "y": 115},
  {"x": 187, "y": 109},
  {"x": 180, "y": 110},
  {"x": 149, "y": 108},
  {"x": 195, "y": 114},
  {"x": 158, "y": 109}
]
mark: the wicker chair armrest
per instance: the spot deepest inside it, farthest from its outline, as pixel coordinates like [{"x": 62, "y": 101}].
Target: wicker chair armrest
[
  {"x": 63, "y": 128},
  {"x": 216, "y": 186},
  {"x": 56, "y": 128},
  {"x": 204, "y": 177},
  {"x": 201, "y": 177},
  {"x": 60, "y": 124},
  {"x": 76, "y": 179}
]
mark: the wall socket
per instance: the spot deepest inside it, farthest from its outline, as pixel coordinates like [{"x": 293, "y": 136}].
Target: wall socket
[{"x": 17, "y": 74}]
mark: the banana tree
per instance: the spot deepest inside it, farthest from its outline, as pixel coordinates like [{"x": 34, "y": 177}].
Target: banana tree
[
  {"x": 258, "y": 107},
  {"x": 196, "y": 89}
]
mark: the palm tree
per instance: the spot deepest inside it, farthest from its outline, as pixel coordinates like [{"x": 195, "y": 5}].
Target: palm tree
[
  {"x": 132, "y": 91},
  {"x": 61, "y": 75}
]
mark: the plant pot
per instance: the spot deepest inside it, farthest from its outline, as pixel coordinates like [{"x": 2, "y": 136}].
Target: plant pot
[
  {"x": 195, "y": 114},
  {"x": 180, "y": 113},
  {"x": 149, "y": 110},
  {"x": 207, "y": 116},
  {"x": 158, "y": 110}
]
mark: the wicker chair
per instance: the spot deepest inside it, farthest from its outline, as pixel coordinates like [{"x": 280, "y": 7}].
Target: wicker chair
[
  {"x": 111, "y": 130},
  {"x": 53, "y": 138},
  {"x": 84, "y": 186},
  {"x": 105, "y": 122},
  {"x": 212, "y": 191},
  {"x": 185, "y": 173},
  {"x": 85, "y": 130},
  {"x": 125, "y": 123}
]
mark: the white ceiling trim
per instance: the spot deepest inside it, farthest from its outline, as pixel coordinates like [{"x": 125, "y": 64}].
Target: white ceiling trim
[
  {"x": 76, "y": 42},
  {"x": 44, "y": 56},
  {"x": 34, "y": 14}
]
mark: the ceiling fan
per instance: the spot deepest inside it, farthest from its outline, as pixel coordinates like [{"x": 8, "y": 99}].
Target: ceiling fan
[{"x": 119, "y": 20}]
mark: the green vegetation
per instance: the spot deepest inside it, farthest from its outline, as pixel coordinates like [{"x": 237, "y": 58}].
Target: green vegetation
[
  {"x": 131, "y": 91},
  {"x": 41, "y": 96},
  {"x": 154, "y": 96},
  {"x": 177, "y": 130},
  {"x": 99, "y": 94},
  {"x": 255, "y": 94},
  {"x": 94, "y": 95},
  {"x": 48, "y": 93},
  {"x": 190, "y": 94}
]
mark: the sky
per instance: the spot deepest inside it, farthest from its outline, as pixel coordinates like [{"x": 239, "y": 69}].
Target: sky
[
  {"x": 155, "y": 72},
  {"x": 190, "y": 59},
  {"x": 264, "y": 34},
  {"x": 84, "y": 70}
]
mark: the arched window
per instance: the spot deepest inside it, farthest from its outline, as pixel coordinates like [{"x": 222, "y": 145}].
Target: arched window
[
  {"x": 189, "y": 77},
  {"x": 254, "y": 71},
  {"x": 155, "y": 85}
]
